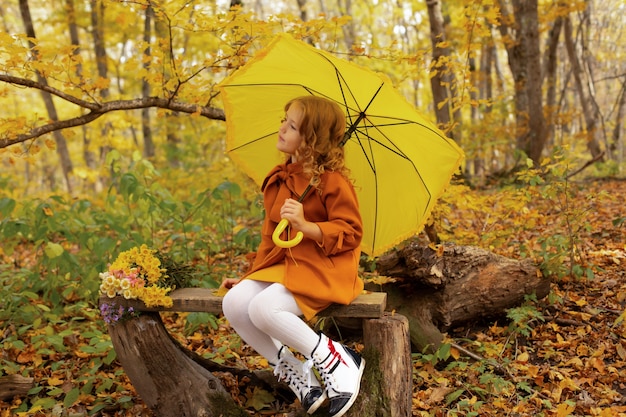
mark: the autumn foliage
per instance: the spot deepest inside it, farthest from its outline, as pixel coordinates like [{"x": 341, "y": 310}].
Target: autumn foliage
[{"x": 112, "y": 137}]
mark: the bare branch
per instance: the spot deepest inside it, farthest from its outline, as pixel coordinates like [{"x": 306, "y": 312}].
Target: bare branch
[
  {"x": 98, "y": 109},
  {"x": 25, "y": 82}
]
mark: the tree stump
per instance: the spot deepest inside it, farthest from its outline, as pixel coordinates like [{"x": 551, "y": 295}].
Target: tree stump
[
  {"x": 391, "y": 334},
  {"x": 438, "y": 289},
  {"x": 168, "y": 380}
]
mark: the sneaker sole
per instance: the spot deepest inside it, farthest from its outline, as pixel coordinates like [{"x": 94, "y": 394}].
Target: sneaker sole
[{"x": 313, "y": 408}]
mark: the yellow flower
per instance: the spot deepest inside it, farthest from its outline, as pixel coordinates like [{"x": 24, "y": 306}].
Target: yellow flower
[
  {"x": 156, "y": 296},
  {"x": 135, "y": 273}
]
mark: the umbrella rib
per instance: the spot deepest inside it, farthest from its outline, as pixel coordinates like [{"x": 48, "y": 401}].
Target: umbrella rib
[
  {"x": 341, "y": 81},
  {"x": 246, "y": 144},
  {"x": 396, "y": 151}
]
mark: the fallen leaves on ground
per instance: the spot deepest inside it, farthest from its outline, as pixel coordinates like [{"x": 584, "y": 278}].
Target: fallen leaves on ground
[{"x": 572, "y": 362}]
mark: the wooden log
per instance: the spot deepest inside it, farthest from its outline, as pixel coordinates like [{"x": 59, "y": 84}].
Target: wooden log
[
  {"x": 438, "y": 289},
  {"x": 15, "y": 386}
]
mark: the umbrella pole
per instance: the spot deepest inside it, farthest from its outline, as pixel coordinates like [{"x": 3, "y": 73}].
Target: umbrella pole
[
  {"x": 351, "y": 129},
  {"x": 282, "y": 225}
]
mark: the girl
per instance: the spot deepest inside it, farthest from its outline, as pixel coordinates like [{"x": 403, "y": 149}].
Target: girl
[{"x": 266, "y": 305}]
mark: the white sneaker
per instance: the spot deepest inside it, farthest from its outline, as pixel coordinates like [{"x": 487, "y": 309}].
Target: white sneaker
[
  {"x": 341, "y": 370},
  {"x": 301, "y": 379}
]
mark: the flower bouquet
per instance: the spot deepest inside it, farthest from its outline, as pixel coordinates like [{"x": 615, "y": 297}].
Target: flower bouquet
[{"x": 137, "y": 274}]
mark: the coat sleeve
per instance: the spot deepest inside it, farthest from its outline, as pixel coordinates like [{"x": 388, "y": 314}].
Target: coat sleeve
[{"x": 344, "y": 228}]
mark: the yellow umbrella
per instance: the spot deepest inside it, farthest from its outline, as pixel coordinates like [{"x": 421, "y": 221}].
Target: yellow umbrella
[{"x": 400, "y": 161}]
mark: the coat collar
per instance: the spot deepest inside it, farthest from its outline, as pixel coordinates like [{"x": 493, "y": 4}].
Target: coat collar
[{"x": 291, "y": 174}]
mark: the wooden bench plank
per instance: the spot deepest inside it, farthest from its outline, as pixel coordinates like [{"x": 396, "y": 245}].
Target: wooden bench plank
[{"x": 367, "y": 305}]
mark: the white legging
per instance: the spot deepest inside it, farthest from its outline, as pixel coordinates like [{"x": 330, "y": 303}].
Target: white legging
[{"x": 266, "y": 316}]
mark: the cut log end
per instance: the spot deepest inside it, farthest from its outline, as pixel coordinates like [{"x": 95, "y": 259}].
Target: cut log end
[{"x": 12, "y": 386}]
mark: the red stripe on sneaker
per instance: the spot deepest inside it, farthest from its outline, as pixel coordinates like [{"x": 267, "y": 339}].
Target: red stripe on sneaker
[{"x": 334, "y": 353}]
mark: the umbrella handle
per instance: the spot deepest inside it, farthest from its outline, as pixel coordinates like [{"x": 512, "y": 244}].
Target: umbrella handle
[{"x": 285, "y": 243}]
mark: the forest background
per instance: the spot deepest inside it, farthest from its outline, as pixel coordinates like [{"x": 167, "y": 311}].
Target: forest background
[{"x": 112, "y": 136}]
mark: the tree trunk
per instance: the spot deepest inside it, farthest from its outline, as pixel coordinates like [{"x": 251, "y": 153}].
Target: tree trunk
[
  {"x": 148, "y": 143},
  {"x": 88, "y": 155},
  {"x": 617, "y": 143},
  {"x": 97, "y": 33},
  {"x": 61, "y": 144},
  {"x": 161, "y": 369},
  {"x": 585, "y": 89},
  {"x": 172, "y": 118},
  {"x": 442, "y": 80},
  {"x": 454, "y": 285},
  {"x": 528, "y": 22},
  {"x": 525, "y": 63},
  {"x": 348, "y": 29},
  {"x": 549, "y": 74}
]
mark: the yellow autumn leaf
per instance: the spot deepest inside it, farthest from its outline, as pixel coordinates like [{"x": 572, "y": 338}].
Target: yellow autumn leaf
[
  {"x": 50, "y": 144},
  {"x": 196, "y": 337},
  {"x": 220, "y": 292},
  {"x": 455, "y": 353},
  {"x": 568, "y": 383},
  {"x": 621, "y": 351},
  {"x": 380, "y": 280},
  {"x": 564, "y": 409},
  {"x": 102, "y": 83},
  {"x": 81, "y": 354},
  {"x": 598, "y": 364},
  {"x": 54, "y": 381}
]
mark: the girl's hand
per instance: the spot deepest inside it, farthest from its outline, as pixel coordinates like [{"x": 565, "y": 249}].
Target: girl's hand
[
  {"x": 229, "y": 283},
  {"x": 292, "y": 210}
]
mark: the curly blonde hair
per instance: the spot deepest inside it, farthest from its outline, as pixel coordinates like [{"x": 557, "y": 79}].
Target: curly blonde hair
[{"x": 322, "y": 128}]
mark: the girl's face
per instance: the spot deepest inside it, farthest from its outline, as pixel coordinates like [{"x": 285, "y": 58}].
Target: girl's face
[{"x": 289, "y": 138}]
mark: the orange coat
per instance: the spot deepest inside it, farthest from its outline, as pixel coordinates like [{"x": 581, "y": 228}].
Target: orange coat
[{"x": 316, "y": 274}]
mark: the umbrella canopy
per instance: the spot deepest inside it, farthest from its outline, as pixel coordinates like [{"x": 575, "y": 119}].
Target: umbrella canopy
[{"x": 400, "y": 162}]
